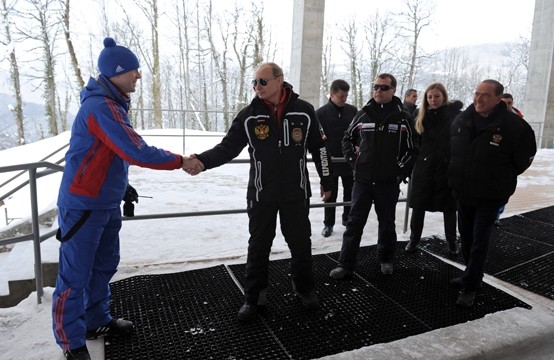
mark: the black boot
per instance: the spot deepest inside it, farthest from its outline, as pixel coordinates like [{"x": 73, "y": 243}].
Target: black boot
[
  {"x": 412, "y": 246},
  {"x": 115, "y": 327},
  {"x": 452, "y": 247},
  {"x": 77, "y": 354}
]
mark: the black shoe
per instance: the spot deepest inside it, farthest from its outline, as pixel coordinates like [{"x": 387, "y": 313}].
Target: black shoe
[
  {"x": 411, "y": 247},
  {"x": 457, "y": 283},
  {"x": 386, "y": 268},
  {"x": 115, "y": 327},
  {"x": 453, "y": 248},
  {"x": 77, "y": 354},
  {"x": 309, "y": 300},
  {"x": 340, "y": 273},
  {"x": 327, "y": 231},
  {"x": 466, "y": 298},
  {"x": 497, "y": 223},
  {"x": 247, "y": 312}
]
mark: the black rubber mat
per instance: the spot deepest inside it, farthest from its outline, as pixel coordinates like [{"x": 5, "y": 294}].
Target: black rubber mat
[
  {"x": 352, "y": 314},
  {"x": 521, "y": 251},
  {"x": 193, "y": 314},
  {"x": 545, "y": 215},
  {"x": 188, "y": 315}
]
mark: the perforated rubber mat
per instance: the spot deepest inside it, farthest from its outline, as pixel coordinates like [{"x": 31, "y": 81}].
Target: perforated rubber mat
[
  {"x": 193, "y": 314},
  {"x": 521, "y": 251}
]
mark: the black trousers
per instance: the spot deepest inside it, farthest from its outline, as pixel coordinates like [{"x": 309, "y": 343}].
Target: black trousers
[
  {"x": 347, "y": 181},
  {"x": 417, "y": 221},
  {"x": 475, "y": 225},
  {"x": 385, "y": 198},
  {"x": 296, "y": 228}
]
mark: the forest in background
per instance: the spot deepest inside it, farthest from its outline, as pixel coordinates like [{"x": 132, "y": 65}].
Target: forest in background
[{"x": 198, "y": 57}]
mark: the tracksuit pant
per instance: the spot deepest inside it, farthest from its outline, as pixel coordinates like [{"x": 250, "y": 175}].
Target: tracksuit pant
[{"x": 88, "y": 261}]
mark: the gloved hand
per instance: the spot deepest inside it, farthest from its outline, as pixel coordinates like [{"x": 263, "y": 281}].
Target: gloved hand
[{"x": 130, "y": 196}]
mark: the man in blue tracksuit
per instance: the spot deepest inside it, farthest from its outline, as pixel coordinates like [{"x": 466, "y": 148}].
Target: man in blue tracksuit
[{"x": 102, "y": 146}]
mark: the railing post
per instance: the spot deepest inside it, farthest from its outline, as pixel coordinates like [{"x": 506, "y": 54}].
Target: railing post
[{"x": 36, "y": 233}]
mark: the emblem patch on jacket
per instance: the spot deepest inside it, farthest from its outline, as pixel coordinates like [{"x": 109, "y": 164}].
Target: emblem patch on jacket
[
  {"x": 496, "y": 139},
  {"x": 261, "y": 131},
  {"x": 297, "y": 135}
]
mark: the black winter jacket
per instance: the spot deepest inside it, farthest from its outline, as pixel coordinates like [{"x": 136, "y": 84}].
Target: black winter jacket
[
  {"x": 484, "y": 166},
  {"x": 429, "y": 183},
  {"x": 383, "y": 133},
  {"x": 278, "y": 154},
  {"x": 335, "y": 121}
]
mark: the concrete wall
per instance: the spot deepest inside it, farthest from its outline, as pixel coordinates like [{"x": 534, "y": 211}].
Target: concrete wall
[
  {"x": 539, "y": 95},
  {"x": 307, "y": 46}
]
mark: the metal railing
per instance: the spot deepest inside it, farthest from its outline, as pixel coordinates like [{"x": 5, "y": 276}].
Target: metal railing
[{"x": 51, "y": 168}]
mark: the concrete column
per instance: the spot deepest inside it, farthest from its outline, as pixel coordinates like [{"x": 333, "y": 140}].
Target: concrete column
[
  {"x": 307, "y": 46},
  {"x": 539, "y": 94}
]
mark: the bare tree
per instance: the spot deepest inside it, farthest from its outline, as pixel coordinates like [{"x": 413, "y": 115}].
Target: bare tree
[
  {"x": 220, "y": 58},
  {"x": 45, "y": 33},
  {"x": 414, "y": 19},
  {"x": 7, "y": 11},
  {"x": 379, "y": 36},
  {"x": 326, "y": 74},
  {"x": 348, "y": 36},
  {"x": 65, "y": 4}
]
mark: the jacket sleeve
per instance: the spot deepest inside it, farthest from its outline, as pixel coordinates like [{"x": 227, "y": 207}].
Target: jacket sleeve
[
  {"x": 350, "y": 140},
  {"x": 320, "y": 153},
  {"x": 526, "y": 148},
  {"x": 229, "y": 148},
  {"x": 110, "y": 124},
  {"x": 408, "y": 152}
]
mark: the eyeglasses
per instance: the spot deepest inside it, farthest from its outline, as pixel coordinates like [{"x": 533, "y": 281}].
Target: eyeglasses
[
  {"x": 262, "y": 81},
  {"x": 382, "y": 87}
]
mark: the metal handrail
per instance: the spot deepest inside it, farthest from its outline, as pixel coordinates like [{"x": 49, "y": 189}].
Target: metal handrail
[
  {"x": 35, "y": 233},
  {"x": 51, "y": 168}
]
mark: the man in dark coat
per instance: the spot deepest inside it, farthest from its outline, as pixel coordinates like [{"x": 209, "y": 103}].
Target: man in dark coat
[
  {"x": 279, "y": 128},
  {"x": 334, "y": 117},
  {"x": 378, "y": 144},
  {"x": 490, "y": 146}
]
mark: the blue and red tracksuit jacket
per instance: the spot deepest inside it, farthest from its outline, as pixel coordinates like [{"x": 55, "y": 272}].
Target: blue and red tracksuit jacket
[{"x": 102, "y": 146}]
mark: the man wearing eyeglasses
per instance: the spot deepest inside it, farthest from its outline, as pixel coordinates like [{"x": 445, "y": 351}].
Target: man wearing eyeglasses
[
  {"x": 378, "y": 144},
  {"x": 278, "y": 128},
  {"x": 489, "y": 147}
]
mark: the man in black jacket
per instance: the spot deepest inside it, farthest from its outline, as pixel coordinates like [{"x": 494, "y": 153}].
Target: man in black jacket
[
  {"x": 378, "y": 144},
  {"x": 490, "y": 146},
  {"x": 278, "y": 128},
  {"x": 334, "y": 117}
]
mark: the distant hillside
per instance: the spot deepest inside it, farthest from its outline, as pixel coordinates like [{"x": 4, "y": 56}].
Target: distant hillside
[{"x": 35, "y": 122}]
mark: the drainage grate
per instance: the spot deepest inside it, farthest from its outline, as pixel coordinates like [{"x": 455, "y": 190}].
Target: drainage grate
[
  {"x": 188, "y": 315},
  {"x": 521, "y": 251}
]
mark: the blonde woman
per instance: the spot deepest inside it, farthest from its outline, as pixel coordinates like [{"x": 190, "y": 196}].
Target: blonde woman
[{"x": 429, "y": 189}]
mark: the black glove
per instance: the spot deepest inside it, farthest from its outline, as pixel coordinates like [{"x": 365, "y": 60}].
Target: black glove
[
  {"x": 128, "y": 209},
  {"x": 130, "y": 196}
]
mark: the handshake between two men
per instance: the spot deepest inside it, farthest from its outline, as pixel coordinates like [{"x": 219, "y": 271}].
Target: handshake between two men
[{"x": 192, "y": 165}]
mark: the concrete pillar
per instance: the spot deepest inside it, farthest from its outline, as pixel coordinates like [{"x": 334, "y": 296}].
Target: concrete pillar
[
  {"x": 539, "y": 94},
  {"x": 307, "y": 46}
]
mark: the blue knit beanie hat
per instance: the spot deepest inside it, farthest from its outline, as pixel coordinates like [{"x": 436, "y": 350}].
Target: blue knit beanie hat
[{"x": 115, "y": 59}]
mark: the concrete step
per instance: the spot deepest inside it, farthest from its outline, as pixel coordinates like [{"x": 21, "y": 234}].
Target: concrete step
[{"x": 21, "y": 289}]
